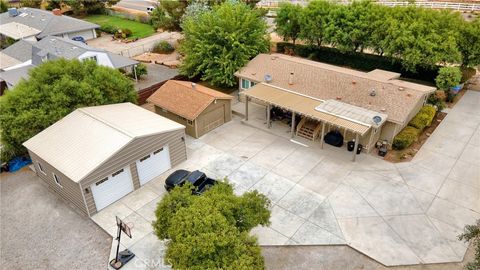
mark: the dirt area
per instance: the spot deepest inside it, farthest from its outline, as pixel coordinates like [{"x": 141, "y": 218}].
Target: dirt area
[
  {"x": 339, "y": 258},
  {"x": 171, "y": 60},
  {"x": 39, "y": 230},
  {"x": 407, "y": 154}
]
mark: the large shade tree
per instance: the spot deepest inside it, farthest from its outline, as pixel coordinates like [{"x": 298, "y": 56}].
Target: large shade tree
[
  {"x": 53, "y": 90},
  {"x": 211, "y": 231},
  {"x": 288, "y": 21},
  {"x": 220, "y": 41}
]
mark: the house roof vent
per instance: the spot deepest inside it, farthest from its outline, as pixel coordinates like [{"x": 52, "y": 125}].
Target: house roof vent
[
  {"x": 373, "y": 93},
  {"x": 12, "y": 12},
  {"x": 268, "y": 78}
]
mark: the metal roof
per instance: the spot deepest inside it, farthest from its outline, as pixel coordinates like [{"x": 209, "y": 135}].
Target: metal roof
[
  {"x": 351, "y": 112},
  {"x": 303, "y": 105},
  {"x": 86, "y": 138}
]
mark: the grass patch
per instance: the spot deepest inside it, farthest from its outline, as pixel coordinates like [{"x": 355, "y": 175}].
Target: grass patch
[{"x": 139, "y": 30}]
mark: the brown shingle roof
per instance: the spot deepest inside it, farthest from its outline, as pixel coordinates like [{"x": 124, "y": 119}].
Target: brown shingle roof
[
  {"x": 179, "y": 97},
  {"x": 393, "y": 97}
]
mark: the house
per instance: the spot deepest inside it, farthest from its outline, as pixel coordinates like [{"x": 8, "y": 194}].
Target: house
[
  {"x": 197, "y": 107},
  {"x": 96, "y": 155},
  {"x": 28, "y": 54},
  {"x": 370, "y": 106},
  {"x": 34, "y": 24}
]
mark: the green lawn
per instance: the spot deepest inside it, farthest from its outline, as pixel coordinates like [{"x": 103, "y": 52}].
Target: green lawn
[{"x": 139, "y": 30}]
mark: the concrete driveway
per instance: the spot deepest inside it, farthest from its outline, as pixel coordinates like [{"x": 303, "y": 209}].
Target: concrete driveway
[
  {"x": 40, "y": 231},
  {"x": 397, "y": 214}
]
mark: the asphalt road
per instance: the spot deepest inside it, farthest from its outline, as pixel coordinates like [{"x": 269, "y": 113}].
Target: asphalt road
[
  {"x": 40, "y": 231},
  {"x": 139, "y": 5}
]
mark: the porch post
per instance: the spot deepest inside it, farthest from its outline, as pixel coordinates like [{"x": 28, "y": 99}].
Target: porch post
[
  {"x": 323, "y": 133},
  {"x": 293, "y": 125},
  {"x": 246, "y": 108},
  {"x": 355, "y": 147},
  {"x": 268, "y": 115}
]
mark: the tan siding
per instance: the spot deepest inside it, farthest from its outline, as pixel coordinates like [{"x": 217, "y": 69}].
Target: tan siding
[
  {"x": 388, "y": 131},
  {"x": 206, "y": 117},
  {"x": 70, "y": 190},
  {"x": 135, "y": 179},
  {"x": 189, "y": 129},
  {"x": 135, "y": 150}
]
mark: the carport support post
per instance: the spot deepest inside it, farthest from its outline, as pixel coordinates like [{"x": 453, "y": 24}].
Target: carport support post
[
  {"x": 246, "y": 108},
  {"x": 293, "y": 124},
  {"x": 323, "y": 134},
  {"x": 268, "y": 116},
  {"x": 135, "y": 72},
  {"x": 355, "y": 147}
]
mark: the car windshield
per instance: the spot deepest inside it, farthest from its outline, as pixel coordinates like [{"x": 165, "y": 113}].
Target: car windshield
[{"x": 195, "y": 176}]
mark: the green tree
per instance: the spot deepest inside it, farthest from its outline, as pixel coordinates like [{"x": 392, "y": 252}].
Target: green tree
[
  {"x": 89, "y": 6},
  {"x": 469, "y": 43},
  {"x": 314, "y": 22},
  {"x": 448, "y": 77},
  {"x": 472, "y": 233},
  {"x": 211, "y": 231},
  {"x": 288, "y": 21},
  {"x": 3, "y": 6},
  {"x": 53, "y": 90},
  {"x": 31, "y": 3},
  {"x": 169, "y": 13},
  {"x": 219, "y": 42}
]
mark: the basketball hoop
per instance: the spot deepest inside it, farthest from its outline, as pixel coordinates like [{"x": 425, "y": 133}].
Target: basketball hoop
[{"x": 121, "y": 258}]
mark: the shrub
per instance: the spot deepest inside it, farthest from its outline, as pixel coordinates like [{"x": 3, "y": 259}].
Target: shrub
[
  {"x": 423, "y": 118},
  {"x": 438, "y": 99},
  {"x": 111, "y": 29},
  {"x": 162, "y": 47},
  {"x": 405, "y": 138},
  {"x": 356, "y": 60},
  {"x": 141, "y": 70},
  {"x": 448, "y": 77}
]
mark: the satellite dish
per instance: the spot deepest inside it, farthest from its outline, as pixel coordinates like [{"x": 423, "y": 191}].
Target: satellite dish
[
  {"x": 377, "y": 119},
  {"x": 268, "y": 78}
]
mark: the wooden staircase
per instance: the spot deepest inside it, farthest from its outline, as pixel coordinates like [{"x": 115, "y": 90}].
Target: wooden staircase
[{"x": 308, "y": 129}]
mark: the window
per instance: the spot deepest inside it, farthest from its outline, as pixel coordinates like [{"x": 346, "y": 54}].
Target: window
[
  {"x": 101, "y": 181},
  {"x": 40, "y": 167},
  {"x": 158, "y": 151},
  {"x": 57, "y": 180},
  {"x": 190, "y": 122},
  {"x": 245, "y": 84},
  {"x": 144, "y": 158},
  {"x": 117, "y": 173},
  {"x": 252, "y": 84}
]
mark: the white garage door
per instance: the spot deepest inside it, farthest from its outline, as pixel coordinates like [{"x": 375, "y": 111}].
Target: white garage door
[
  {"x": 110, "y": 189},
  {"x": 153, "y": 165}
]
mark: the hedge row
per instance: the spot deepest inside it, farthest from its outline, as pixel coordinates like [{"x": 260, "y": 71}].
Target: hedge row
[
  {"x": 356, "y": 60},
  {"x": 411, "y": 132}
]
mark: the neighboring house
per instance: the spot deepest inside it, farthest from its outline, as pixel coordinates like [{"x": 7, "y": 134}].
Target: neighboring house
[
  {"x": 34, "y": 24},
  {"x": 333, "y": 98},
  {"x": 197, "y": 107},
  {"x": 96, "y": 155},
  {"x": 29, "y": 54}
]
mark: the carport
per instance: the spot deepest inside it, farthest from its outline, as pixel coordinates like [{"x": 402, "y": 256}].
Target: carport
[{"x": 329, "y": 113}]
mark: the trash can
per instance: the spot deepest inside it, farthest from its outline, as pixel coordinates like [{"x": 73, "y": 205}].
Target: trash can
[
  {"x": 350, "y": 146},
  {"x": 382, "y": 151},
  {"x": 359, "y": 149}
]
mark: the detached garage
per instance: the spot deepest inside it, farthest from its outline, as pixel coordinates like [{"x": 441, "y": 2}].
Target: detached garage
[
  {"x": 199, "y": 108},
  {"x": 96, "y": 155}
]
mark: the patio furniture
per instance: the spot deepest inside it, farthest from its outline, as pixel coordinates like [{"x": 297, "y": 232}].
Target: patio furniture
[{"x": 334, "y": 138}]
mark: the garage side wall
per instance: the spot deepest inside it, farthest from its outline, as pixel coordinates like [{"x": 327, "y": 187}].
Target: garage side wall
[
  {"x": 130, "y": 154},
  {"x": 189, "y": 129},
  {"x": 69, "y": 191}
]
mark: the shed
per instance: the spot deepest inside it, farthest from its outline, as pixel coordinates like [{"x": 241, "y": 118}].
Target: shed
[
  {"x": 96, "y": 155},
  {"x": 199, "y": 108}
]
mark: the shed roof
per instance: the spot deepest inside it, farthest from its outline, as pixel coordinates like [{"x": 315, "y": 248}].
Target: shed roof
[
  {"x": 86, "y": 138},
  {"x": 322, "y": 81},
  {"x": 184, "y": 99},
  {"x": 307, "y": 106}
]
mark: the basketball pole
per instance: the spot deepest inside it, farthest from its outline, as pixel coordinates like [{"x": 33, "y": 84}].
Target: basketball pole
[{"x": 119, "y": 234}]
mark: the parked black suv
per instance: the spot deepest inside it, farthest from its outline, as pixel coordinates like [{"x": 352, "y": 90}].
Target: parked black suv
[{"x": 199, "y": 180}]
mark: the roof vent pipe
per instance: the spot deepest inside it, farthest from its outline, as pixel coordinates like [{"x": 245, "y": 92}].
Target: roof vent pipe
[
  {"x": 57, "y": 12},
  {"x": 290, "y": 78},
  {"x": 194, "y": 86}
]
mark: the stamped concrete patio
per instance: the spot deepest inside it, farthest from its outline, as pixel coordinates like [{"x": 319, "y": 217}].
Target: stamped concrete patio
[{"x": 397, "y": 214}]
